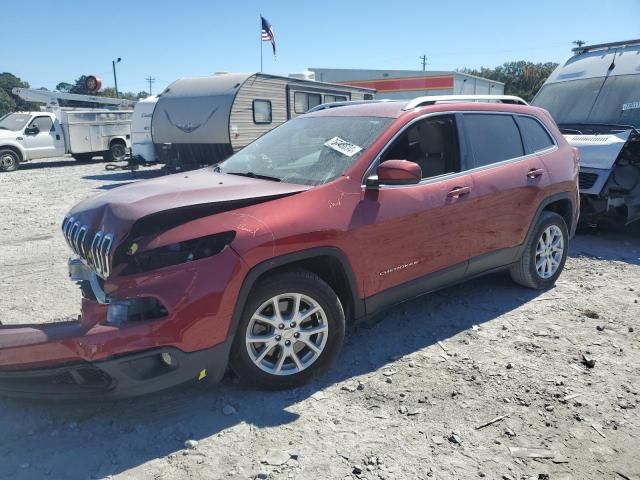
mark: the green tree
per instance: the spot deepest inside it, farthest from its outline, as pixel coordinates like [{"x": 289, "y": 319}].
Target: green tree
[
  {"x": 8, "y": 101},
  {"x": 64, "y": 87},
  {"x": 520, "y": 78},
  {"x": 7, "y": 104}
]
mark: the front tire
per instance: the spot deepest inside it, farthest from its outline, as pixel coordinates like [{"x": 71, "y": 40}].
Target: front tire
[
  {"x": 544, "y": 253},
  {"x": 9, "y": 160},
  {"x": 291, "y": 330}
]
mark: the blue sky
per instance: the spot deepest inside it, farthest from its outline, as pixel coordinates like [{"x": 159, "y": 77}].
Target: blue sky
[{"x": 45, "y": 42}]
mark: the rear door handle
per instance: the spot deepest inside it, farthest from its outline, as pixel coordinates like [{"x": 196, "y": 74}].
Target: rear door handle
[
  {"x": 535, "y": 173},
  {"x": 459, "y": 192}
]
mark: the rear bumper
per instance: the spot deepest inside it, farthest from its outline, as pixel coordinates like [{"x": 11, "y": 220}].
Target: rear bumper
[{"x": 121, "y": 377}]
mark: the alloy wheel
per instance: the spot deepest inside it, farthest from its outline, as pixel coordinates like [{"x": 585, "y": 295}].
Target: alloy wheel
[
  {"x": 287, "y": 334},
  {"x": 549, "y": 251}
]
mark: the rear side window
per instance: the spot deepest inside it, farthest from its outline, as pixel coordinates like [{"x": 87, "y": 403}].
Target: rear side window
[
  {"x": 534, "y": 135},
  {"x": 493, "y": 138}
]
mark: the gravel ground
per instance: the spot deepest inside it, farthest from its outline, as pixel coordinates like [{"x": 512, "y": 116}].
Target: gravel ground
[{"x": 405, "y": 400}]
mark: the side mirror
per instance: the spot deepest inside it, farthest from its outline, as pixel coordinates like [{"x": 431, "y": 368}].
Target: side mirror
[
  {"x": 31, "y": 130},
  {"x": 396, "y": 172}
]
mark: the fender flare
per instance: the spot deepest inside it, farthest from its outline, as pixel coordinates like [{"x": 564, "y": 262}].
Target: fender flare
[
  {"x": 543, "y": 205},
  {"x": 16, "y": 146},
  {"x": 118, "y": 138},
  {"x": 290, "y": 258}
]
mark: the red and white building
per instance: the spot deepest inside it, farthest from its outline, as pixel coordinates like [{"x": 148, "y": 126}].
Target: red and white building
[{"x": 404, "y": 84}]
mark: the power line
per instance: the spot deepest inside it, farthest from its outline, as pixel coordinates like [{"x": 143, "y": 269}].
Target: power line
[{"x": 151, "y": 81}]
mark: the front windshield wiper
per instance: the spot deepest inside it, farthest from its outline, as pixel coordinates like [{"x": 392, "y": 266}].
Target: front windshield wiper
[{"x": 254, "y": 175}]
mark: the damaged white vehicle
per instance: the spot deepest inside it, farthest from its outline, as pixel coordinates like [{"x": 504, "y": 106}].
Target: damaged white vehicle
[{"x": 594, "y": 98}]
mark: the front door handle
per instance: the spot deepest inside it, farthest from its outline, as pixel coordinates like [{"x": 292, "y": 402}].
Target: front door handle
[
  {"x": 459, "y": 192},
  {"x": 535, "y": 173}
]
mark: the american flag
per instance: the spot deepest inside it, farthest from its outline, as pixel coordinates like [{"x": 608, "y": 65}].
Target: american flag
[{"x": 267, "y": 34}]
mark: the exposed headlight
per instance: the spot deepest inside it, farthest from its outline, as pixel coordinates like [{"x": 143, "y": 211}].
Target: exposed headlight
[{"x": 176, "y": 253}]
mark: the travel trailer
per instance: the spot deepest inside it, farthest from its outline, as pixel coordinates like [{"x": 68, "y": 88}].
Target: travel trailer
[
  {"x": 201, "y": 121},
  {"x": 141, "y": 142}
]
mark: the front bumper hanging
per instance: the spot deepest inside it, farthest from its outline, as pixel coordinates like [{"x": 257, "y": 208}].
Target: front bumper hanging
[{"x": 121, "y": 377}]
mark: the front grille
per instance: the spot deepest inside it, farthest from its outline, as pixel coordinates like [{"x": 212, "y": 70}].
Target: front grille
[
  {"x": 95, "y": 252},
  {"x": 587, "y": 180}
]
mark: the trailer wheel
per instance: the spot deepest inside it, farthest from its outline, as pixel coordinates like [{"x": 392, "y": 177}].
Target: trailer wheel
[
  {"x": 9, "y": 160},
  {"x": 117, "y": 152}
]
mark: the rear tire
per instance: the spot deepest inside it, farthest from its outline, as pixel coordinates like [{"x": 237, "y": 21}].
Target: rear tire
[
  {"x": 544, "y": 254},
  {"x": 117, "y": 152},
  {"x": 9, "y": 160},
  {"x": 265, "y": 336}
]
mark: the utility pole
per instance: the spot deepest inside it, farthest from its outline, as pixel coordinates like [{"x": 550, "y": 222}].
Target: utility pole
[
  {"x": 424, "y": 62},
  {"x": 151, "y": 80},
  {"x": 115, "y": 77}
]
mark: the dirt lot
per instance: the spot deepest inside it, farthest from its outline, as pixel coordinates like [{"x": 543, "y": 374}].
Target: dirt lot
[{"x": 404, "y": 401}]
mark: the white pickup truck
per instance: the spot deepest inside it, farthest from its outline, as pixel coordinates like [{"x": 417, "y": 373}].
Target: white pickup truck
[{"x": 82, "y": 133}]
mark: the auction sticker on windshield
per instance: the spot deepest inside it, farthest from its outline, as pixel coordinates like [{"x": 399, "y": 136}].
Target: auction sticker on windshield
[
  {"x": 342, "y": 146},
  {"x": 630, "y": 106}
]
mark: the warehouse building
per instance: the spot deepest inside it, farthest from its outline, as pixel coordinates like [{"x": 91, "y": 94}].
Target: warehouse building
[{"x": 404, "y": 84}]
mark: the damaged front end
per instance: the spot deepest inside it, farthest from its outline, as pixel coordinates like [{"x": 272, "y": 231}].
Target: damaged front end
[
  {"x": 609, "y": 175},
  {"x": 159, "y": 281}
]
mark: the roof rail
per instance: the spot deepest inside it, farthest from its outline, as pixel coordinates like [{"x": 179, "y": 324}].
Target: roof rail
[
  {"x": 600, "y": 46},
  {"x": 326, "y": 106},
  {"x": 435, "y": 99}
]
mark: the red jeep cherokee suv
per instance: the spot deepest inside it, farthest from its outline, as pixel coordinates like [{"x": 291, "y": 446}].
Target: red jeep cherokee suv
[{"x": 260, "y": 262}]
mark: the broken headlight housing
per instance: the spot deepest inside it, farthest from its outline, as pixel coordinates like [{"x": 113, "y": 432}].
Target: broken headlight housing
[{"x": 174, "y": 254}]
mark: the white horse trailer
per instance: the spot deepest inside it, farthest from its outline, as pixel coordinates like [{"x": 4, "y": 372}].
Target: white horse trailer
[{"x": 203, "y": 120}]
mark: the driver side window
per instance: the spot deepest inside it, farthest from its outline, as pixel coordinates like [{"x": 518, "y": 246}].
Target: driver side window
[
  {"x": 431, "y": 143},
  {"x": 44, "y": 124}
]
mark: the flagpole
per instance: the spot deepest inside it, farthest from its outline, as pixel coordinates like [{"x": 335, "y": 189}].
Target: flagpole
[{"x": 261, "y": 43}]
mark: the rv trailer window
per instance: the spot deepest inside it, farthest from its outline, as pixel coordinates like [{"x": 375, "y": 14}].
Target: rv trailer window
[
  {"x": 368, "y": 96},
  {"x": 303, "y": 101},
  {"x": 262, "y": 111},
  {"x": 334, "y": 98}
]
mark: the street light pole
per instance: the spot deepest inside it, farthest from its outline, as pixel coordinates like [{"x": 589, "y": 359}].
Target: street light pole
[{"x": 115, "y": 77}]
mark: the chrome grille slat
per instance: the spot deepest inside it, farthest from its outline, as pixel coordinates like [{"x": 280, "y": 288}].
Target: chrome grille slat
[
  {"x": 95, "y": 254},
  {"x": 94, "y": 258}
]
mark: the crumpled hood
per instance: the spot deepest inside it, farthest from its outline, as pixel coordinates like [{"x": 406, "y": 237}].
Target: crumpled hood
[
  {"x": 599, "y": 151},
  {"x": 190, "y": 195}
]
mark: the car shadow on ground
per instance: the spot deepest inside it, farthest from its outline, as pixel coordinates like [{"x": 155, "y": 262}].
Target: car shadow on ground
[
  {"x": 621, "y": 245},
  {"x": 43, "y": 438},
  {"x": 59, "y": 432}
]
